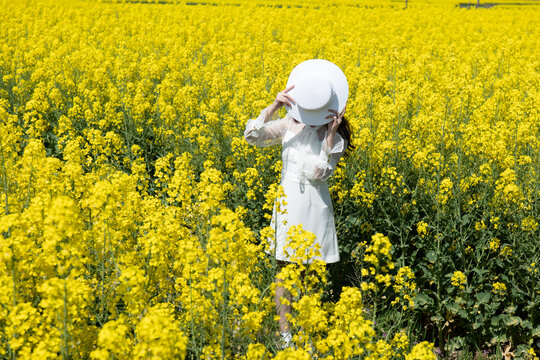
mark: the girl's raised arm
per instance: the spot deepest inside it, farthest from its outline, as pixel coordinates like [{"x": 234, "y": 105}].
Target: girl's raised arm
[{"x": 264, "y": 132}]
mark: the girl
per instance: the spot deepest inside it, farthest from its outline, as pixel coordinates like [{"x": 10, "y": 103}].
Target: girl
[{"x": 314, "y": 136}]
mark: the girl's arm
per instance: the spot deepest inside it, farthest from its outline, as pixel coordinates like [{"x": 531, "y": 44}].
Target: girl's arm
[
  {"x": 332, "y": 149},
  {"x": 262, "y": 131},
  {"x": 266, "y": 129},
  {"x": 321, "y": 167}
]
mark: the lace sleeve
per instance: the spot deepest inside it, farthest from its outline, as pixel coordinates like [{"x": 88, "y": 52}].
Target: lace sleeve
[
  {"x": 323, "y": 166},
  {"x": 265, "y": 134}
]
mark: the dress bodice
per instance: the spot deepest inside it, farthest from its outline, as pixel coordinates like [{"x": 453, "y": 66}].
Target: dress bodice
[
  {"x": 297, "y": 149},
  {"x": 305, "y": 152}
]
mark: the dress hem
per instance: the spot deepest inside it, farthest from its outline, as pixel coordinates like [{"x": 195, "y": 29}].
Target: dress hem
[{"x": 329, "y": 259}]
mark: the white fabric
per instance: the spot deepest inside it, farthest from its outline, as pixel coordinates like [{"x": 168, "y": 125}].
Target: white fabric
[
  {"x": 307, "y": 164},
  {"x": 287, "y": 339}
]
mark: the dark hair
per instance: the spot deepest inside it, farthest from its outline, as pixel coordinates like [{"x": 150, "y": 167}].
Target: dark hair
[{"x": 344, "y": 130}]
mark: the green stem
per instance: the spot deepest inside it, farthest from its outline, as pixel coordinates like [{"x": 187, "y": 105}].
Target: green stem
[
  {"x": 14, "y": 276},
  {"x": 396, "y": 325},
  {"x": 102, "y": 283},
  {"x": 374, "y": 309},
  {"x": 193, "y": 337},
  {"x": 30, "y": 177},
  {"x": 438, "y": 229},
  {"x": 10, "y": 352},
  {"x": 65, "y": 347},
  {"x": 224, "y": 304},
  {"x": 4, "y": 178},
  {"x": 223, "y": 315}
]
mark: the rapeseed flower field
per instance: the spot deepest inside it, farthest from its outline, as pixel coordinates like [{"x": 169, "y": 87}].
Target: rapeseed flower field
[{"x": 135, "y": 216}]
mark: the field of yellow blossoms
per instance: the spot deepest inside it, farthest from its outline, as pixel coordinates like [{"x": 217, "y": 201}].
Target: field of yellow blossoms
[{"x": 134, "y": 215}]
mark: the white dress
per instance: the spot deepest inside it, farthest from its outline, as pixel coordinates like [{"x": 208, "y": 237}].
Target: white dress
[{"x": 307, "y": 164}]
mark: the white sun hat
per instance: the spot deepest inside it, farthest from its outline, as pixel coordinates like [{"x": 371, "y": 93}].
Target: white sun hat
[{"x": 319, "y": 85}]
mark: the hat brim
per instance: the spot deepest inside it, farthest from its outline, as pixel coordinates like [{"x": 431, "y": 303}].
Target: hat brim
[
  {"x": 318, "y": 117},
  {"x": 339, "y": 97}
]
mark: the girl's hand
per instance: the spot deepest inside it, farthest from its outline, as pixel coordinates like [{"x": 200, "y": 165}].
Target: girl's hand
[
  {"x": 333, "y": 125},
  {"x": 336, "y": 120},
  {"x": 282, "y": 98}
]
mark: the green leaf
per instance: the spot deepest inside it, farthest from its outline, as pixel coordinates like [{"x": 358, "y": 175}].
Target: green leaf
[
  {"x": 431, "y": 256},
  {"x": 499, "y": 339},
  {"x": 493, "y": 306},
  {"x": 422, "y": 300},
  {"x": 496, "y": 320},
  {"x": 533, "y": 304},
  {"x": 477, "y": 324},
  {"x": 526, "y": 324},
  {"x": 428, "y": 273},
  {"x": 480, "y": 273},
  {"x": 463, "y": 313},
  {"x": 536, "y": 332},
  {"x": 482, "y": 297},
  {"x": 512, "y": 321},
  {"x": 453, "y": 308}
]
